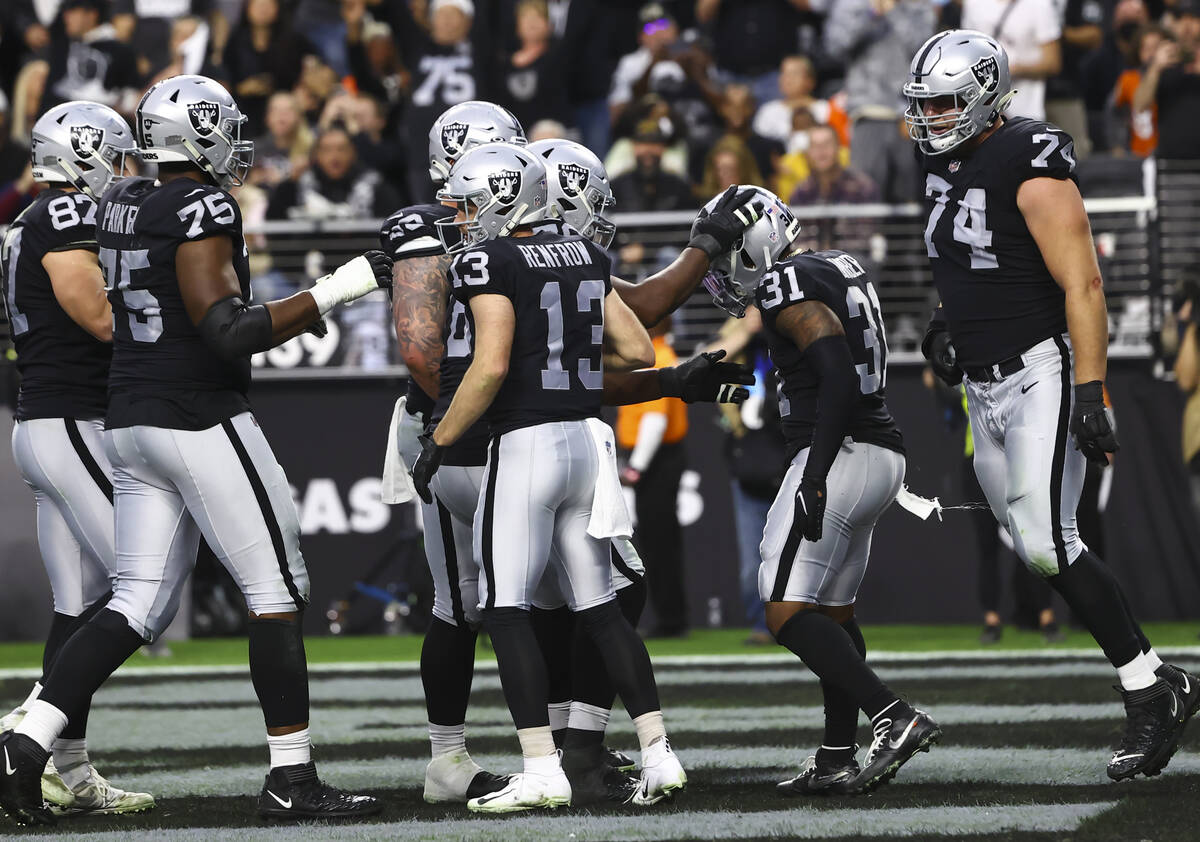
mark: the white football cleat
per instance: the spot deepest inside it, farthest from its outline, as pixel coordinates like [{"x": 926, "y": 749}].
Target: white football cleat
[
  {"x": 457, "y": 778},
  {"x": 97, "y": 796},
  {"x": 54, "y": 791},
  {"x": 662, "y": 774},
  {"x": 525, "y": 792}
]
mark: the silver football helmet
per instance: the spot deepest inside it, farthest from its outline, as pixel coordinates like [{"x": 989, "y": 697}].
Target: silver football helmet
[
  {"x": 497, "y": 187},
  {"x": 467, "y": 125},
  {"x": 193, "y": 119},
  {"x": 83, "y": 144},
  {"x": 578, "y": 191},
  {"x": 732, "y": 278},
  {"x": 972, "y": 68}
]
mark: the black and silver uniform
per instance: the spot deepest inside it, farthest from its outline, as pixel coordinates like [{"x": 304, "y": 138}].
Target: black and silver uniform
[
  {"x": 410, "y": 232},
  {"x": 556, "y": 280},
  {"x": 163, "y": 373},
  {"x": 998, "y": 296},
  {"x": 839, "y": 282},
  {"x": 64, "y": 369}
]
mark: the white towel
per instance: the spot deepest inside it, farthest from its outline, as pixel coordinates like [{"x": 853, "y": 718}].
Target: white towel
[
  {"x": 402, "y": 448},
  {"x": 610, "y": 517}
]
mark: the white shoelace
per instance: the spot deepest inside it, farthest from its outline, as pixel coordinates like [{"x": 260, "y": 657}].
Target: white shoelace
[{"x": 882, "y": 727}]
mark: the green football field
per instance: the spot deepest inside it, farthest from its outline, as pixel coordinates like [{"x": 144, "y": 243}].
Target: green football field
[{"x": 1028, "y": 730}]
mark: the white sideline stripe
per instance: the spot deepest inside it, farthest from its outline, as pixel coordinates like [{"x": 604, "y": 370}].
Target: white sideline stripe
[
  {"x": 184, "y": 729},
  {"x": 800, "y": 823},
  {"x": 950, "y": 765},
  {"x": 1031, "y": 656}
]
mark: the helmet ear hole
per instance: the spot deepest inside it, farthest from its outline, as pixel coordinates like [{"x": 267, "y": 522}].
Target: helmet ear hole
[{"x": 747, "y": 260}]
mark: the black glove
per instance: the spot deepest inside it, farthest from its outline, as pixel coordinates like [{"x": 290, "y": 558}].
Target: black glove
[
  {"x": 716, "y": 233},
  {"x": 705, "y": 378},
  {"x": 318, "y": 329},
  {"x": 809, "y": 509},
  {"x": 381, "y": 265},
  {"x": 426, "y": 466},
  {"x": 1093, "y": 432},
  {"x": 939, "y": 350}
]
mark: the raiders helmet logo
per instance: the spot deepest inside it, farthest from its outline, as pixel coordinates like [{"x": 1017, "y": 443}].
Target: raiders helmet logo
[
  {"x": 986, "y": 73},
  {"x": 454, "y": 135},
  {"x": 572, "y": 178},
  {"x": 505, "y": 186},
  {"x": 86, "y": 140},
  {"x": 203, "y": 116}
]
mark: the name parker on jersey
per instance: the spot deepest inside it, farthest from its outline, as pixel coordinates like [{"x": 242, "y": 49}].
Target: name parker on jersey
[{"x": 118, "y": 218}]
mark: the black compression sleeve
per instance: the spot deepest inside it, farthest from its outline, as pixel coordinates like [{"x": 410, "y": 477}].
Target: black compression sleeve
[
  {"x": 233, "y": 329},
  {"x": 836, "y": 395}
]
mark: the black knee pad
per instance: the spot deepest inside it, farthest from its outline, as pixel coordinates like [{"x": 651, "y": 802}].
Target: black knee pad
[
  {"x": 632, "y": 599},
  {"x": 279, "y": 669},
  {"x": 600, "y": 616},
  {"x": 500, "y": 618}
]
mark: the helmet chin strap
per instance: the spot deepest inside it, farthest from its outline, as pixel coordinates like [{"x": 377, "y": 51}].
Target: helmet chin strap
[{"x": 76, "y": 179}]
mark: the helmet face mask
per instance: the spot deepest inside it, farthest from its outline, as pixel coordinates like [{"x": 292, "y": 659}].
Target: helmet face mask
[
  {"x": 505, "y": 187},
  {"x": 463, "y": 127},
  {"x": 82, "y": 144}
]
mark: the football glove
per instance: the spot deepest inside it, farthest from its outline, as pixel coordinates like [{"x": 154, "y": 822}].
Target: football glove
[
  {"x": 706, "y": 378},
  {"x": 426, "y": 466},
  {"x": 716, "y": 233},
  {"x": 364, "y": 274},
  {"x": 318, "y": 329},
  {"x": 1094, "y": 435},
  {"x": 939, "y": 350},
  {"x": 809, "y": 512}
]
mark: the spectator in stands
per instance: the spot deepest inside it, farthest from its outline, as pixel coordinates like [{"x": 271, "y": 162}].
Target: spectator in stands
[
  {"x": 546, "y": 130},
  {"x": 737, "y": 112},
  {"x": 1082, "y": 32},
  {"x": 444, "y": 72},
  {"x": 730, "y": 161},
  {"x": 880, "y": 37},
  {"x": 532, "y": 82},
  {"x": 831, "y": 183},
  {"x": 374, "y": 61},
  {"x": 651, "y": 436},
  {"x": 797, "y": 81},
  {"x": 1138, "y": 131},
  {"x": 751, "y": 37},
  {"x": 1187, "y": 377},
  {"x": 365, "y": 118},
  {"x": 335, "y": 186},
  {"x": 1101, "y": 68},
  {"x": 29, "y": 92},
  {"x": 1030, "y": 31},
  {"x": 34, "y": 20},
  {"x": 1172, "y": 84},
  {"x": 317, "y": 84},
  {"x": 284, "y": 150},
  {"x": 147, "y": 26},
  {"x": 586, "y": 34},
  {"x": 16, "y": 175},
  {"x": 264, "y": 55},
  {"x": 88, "y": 62},
  {"x": 321, "y": 22}
]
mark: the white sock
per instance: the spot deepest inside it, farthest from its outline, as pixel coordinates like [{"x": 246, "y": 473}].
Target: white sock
[
  {"x": 1136, "y": 674},
  {"x": 43, "y": 722},
  {"x": 537, "y": 748},
  {"x": 447, "y": 739},
  {"x": 290, "y": 749},
  {"x": 1152, "y": 659},
  {"x": 650, "y": 728},
  {"x": 71, "y": 760},
  {"x": 585, "y": 717},
  {"x": 559, "y": 713},
  {"x": 33, "y": 695}
]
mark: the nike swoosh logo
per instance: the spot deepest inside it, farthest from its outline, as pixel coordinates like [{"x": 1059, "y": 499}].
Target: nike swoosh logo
[
  {"x": 1025, "y": 389},
  {"x": 8, "y": 768},
  {"x": 1187, "y": 685},
  {"x": 287, "y": 805},
  {"x": 895, "y": 744},
  {"x": 1174, "y": 706},
  {"x": 1117, "y": 758}
]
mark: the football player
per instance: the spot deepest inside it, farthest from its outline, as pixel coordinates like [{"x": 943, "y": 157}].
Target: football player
[
  {"x": 1023, "y": 317},
  {"x": 188, "y": 456},
  {"x": 434, "y": 340},
  {"x": 826, "y": 338},
  {"x": 54, "y": 297},
  {"x": 545, "y": 323}
]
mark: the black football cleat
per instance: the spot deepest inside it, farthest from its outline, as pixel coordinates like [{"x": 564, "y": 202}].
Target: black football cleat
[
  {"x": 599, "y": 783},
  {"x": 21, "y": 782},
  {"x": 295, "y": 792},
  {"x": 895, "y": 743},
  {"x": 1154, "y": 720},
  {"x": 820, "y": 778},
  {"x": 1186, "y": 685},
  {"x": 619, "y": 760},
  {"x": 485, "y": 783}
]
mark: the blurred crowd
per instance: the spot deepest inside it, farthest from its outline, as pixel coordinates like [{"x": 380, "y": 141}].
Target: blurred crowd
[{"x": 681, "y": 98}]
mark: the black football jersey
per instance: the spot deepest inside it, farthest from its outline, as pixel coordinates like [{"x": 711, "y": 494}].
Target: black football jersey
[
  {"x": 64, "y": 369},
  {"x": 998, "y": 296},
  {"x": 163, "y": 374},
  {"x": 839, "y": 282},
  {"x": 556, "y": 280}
]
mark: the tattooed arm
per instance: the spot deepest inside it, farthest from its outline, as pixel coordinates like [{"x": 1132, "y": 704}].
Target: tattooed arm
[
  {"x": 818, "y": 333},
  {"x": 420, "y": 291}
]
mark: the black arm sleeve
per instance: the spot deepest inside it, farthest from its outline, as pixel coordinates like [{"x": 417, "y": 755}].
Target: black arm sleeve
[
  {"x": 233, "y": 329},
  {"x": 836, "y": 396}
]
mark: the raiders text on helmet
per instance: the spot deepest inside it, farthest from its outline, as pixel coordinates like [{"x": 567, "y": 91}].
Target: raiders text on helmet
[
  {"x": 732, "y": 278},
  {"x": 579, "y": 190},
  {"x": 971, "y": 68},
  {"x": 497, "y": 186},
  {"x": 83, "y": 144},
  {"x": 193, "y": 119},
  {"x": 463, "y": 127}
]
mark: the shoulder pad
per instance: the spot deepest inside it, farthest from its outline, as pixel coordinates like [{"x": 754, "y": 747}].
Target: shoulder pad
[
  {"x": 196, "y": 211},
  {"x": 411, "y": 231}
]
